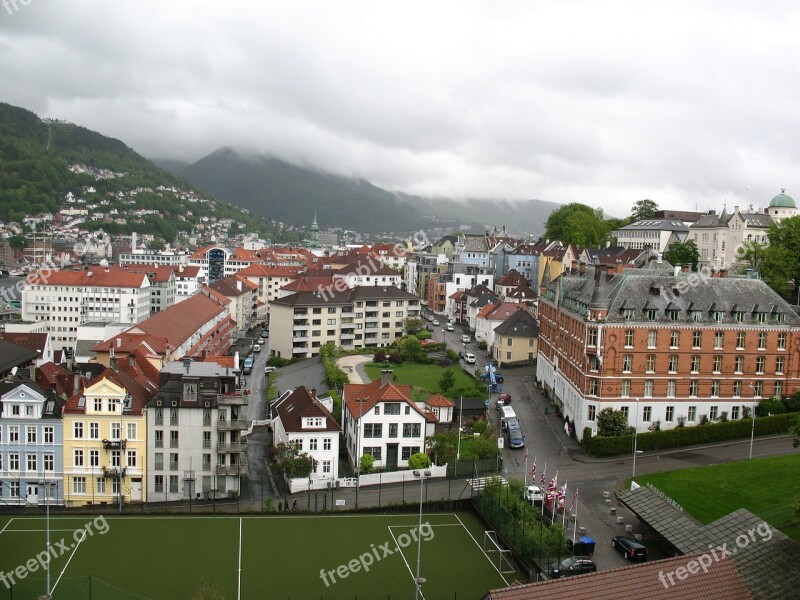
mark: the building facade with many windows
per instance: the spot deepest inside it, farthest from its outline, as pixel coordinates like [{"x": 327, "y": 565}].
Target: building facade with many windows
[
  {"x": 105, "y": 444},
  {"x": 31, "y": 438},
  {"x": 364, "y": 317},
  {"x": 194, "y": 425},
  {"x": 664, "y": 349}
]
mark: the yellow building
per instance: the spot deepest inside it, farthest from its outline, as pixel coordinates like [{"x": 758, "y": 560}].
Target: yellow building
[
  {"x": 516, "y": 339},
  {"x": 105, "y": 442}
]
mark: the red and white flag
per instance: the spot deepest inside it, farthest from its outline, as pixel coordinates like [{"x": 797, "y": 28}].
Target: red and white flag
[{"x": 574, "y": 500}]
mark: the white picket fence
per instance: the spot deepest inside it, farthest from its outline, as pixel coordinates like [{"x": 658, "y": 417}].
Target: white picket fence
[{"x": 303, "y": 484}]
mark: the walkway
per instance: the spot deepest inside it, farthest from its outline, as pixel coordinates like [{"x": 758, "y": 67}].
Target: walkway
[{"x": 354, "y": 367}]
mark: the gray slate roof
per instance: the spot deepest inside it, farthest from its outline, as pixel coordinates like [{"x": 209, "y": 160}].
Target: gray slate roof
[
  {"x": 519, "y": 324},
  {"x": 686, "y": 292},
  {"x": 767, "y": 560}
]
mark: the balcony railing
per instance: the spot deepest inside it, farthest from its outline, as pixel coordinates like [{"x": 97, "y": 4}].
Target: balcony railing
[
  {"x": 113, "y": 472},
  {"x": 232, "y": 447},
  {"x": 233, "y": 424},
  {"x": 232, "y": 399},
  {"x": 114, "y": 444}
]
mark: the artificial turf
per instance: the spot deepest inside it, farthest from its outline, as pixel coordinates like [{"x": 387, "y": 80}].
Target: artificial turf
[{"x": 255, "y": 557}]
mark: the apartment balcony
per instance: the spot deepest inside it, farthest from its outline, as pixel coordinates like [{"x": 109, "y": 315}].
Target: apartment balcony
[
  {"x": 347, "y": 336},
  {"x": 114, "y": 472},
  {"x": 232, "y": 399},
  {"x": 300, "y": 336},
  {"x": 372, "y": 316},
  {"x": 235, "y": 470},
  {"x": 232, "y": 425},
  {"x": 232, "y": 447},
  {"x": 300, "y": 324},
  {"x": 114, "y": 444}
]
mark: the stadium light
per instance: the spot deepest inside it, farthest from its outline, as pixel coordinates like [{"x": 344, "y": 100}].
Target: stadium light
[{"x": 418, "y": 581}]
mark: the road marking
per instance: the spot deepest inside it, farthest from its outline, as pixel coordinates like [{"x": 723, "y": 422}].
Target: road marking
[{"x": 239, "y": 585}]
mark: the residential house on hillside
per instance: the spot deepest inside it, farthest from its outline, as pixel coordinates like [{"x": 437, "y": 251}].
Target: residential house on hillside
[
  {"x": 105, "y": 442},
  {"x": 31, "y": 436},
  {"x": 516, "y": 338},
  {"x": 510, "y": 281},
  {"x": 381, "y": 420},
  {"x": 195, "y": 424},
  {"x": 300, "y": 418},
  {"x": 269, "y": 279},
  {"x": 441, "y": 407}
]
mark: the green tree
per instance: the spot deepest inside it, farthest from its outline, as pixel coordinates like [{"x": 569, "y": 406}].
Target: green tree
[
  {"x": 367, "y": 463},
  {"x": 770, "y": 406},
  {"x": 643, "y": 209},
  {"x": 577, "y": 224},
  {"x": 612, "y": 423},
  {"x": 420, "y": 460},
  {"x": 683, "y": 253},
  {"x": 410, "y": 348},
  {"x": 412, "y": 325},
  {"x": 16, "y": 241},
  {"x": 780, "y": 266},
  {"x": 287, "y": 458},
  {"x": 447, "y": 381},
  {"x": 749, "y": 256}
]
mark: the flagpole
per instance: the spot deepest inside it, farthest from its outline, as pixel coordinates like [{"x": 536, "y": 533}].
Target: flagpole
[
  {"x": 526, "y": 469},
  {"x": 575, "y": 526},
  {"x": 544, "y": 493},
  {"x": 564, "y": 512}
]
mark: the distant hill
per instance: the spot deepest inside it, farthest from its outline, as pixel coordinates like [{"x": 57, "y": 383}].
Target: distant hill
[
  {"x": 35, "y": 156},
  {"x": 289, "y": 193}
]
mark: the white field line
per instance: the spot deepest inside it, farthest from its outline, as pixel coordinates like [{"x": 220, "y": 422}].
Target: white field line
[
  {"x": 69, "y": 560},
  {"x": 400, "y": 550},
  {"x": 481, "y": 550}
]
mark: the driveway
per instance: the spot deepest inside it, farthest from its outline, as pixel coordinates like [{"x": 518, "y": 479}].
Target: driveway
[{"x": 354, "y": 367}]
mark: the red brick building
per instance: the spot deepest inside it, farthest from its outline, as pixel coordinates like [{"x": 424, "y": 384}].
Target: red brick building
[{"x": 669, "y": 348}]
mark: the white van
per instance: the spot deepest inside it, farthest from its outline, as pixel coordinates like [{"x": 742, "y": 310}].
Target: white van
[{"x": 506, "y": 413}]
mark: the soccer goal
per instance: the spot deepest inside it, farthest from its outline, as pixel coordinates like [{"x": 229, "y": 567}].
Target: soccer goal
[{"x": 499, "y": 556}]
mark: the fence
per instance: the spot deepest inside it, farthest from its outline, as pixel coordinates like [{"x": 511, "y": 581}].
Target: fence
[
  {"x": 304, "y": 484},
  {"x": 535, "y": 543},
  {"x": 69, "y": 588}
]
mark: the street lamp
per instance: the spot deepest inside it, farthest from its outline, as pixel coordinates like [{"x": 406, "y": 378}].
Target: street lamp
[
  {"x": 418, "y": 581},
  {"x": 635, "y": 429},
  {"x": 753, "y": 417}
]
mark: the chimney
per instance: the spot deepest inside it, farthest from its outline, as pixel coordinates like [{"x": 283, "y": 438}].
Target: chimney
[
  {"x": 387, "y": 376},
  {"x": 76, "y": 383},
  {"x": 620, "y": 267},
  {"x": 684, "y": 268},
  {"x": 236, "y": 361},
  {"x": 187, "y": 363},
  {"x": 313, "y": 392},
  {"x": 583, "y": 268},
  {"x": 32, "y": 373},
  {"x": 574, "y": 264},
  {"x": 715, "y": 274}
]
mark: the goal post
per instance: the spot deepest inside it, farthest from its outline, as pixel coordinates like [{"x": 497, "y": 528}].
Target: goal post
[{"x": 500, "y": 557}]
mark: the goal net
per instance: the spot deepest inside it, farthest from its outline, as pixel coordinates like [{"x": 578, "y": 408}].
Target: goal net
[{"x": 499, "y": 556}]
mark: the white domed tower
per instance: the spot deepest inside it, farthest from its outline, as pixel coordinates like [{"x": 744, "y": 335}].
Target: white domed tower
[{"x": 781, "y": 207}]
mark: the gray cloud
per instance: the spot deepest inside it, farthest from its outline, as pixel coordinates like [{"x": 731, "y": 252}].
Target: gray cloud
[{"x": 604, "y": 103}]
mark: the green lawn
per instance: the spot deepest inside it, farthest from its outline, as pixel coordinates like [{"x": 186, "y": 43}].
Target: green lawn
[
  {"x": 253, "y": 557},
  {"x": 766, "y": 487},
  {"x": 424, "y": 379}
]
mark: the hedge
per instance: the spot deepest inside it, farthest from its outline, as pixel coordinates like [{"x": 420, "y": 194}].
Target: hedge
[
  {"x": 687, "y": 436},
  {"x": 334, "y": 376}
]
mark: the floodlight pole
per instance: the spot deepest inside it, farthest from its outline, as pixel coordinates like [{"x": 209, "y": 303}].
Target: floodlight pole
[
  {"x": 418, "y": 581},
  {"x": 635, "y": 430},
  {"x": 753, "y": 418}
]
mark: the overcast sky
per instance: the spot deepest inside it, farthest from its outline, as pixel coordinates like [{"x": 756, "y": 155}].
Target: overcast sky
[{"x": 692, "y": 104}]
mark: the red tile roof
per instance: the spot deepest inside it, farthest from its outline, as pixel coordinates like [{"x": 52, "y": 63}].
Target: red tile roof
[
  {"x": 92, "y": 277},
  {"x": 362, "y": 397},
  {"x": 260, "y": 270},
  {"x": 179, "y": 322},
  {"x": 222, "y": 361},
  {"x": 156, "y": 274},
  {"x": 186, "y": 271},
  {"x": 439, "y": 400},
  {"x": 649, "y": 580},
  {"x": 129, "y": 341},
  {"x": 312, "y": 284}
]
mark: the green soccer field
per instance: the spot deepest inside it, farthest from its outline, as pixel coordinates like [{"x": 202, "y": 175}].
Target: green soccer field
[{"x": 250, "y": 558}]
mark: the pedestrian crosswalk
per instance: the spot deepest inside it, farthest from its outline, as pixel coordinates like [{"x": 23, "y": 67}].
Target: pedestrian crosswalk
[{"x": 478, "y": 483}]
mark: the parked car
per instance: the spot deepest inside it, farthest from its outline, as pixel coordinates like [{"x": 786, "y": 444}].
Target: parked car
[
  {"x": 256, "y": 348},
  {"x": 430, "y": 327},
  {"x": 533, "y": 494},
  {"x": 435, "y": 323},
  {"x": 465, "y": 339},
  {"x": 269, "y": 369},
  {"x": 469, "y": 358},
  {"x": 261, "y": 341},
  {"x": 503, "y": 400},
  {"x": 514, "y": 434},
  {"x": 449, "y": 327},
  {"x": 574, "y": 565},
  {"x": 629, "y": 547}
]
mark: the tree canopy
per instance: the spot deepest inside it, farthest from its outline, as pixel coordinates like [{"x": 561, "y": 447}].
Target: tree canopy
[
  {"x": 683, "y": 253},
  {"x": 643, "y": 209},
  {"x": 577, "y": 223},
  {"x": 780, "y": 265}
]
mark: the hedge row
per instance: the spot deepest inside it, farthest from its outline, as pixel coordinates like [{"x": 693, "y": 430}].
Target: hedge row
[
  {"x": 686, "y": 436},
  {"x": 334, "y": 376}
]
